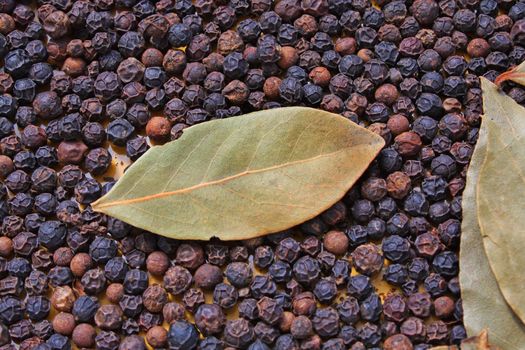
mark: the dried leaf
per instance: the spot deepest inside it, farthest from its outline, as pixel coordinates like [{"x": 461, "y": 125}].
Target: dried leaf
[
  {"x": 479, "y": 342},
  {"x": 483, "y": 304},
  {"x": 501, "y": 194},
  {"x": 243, "y": 177},
  {"x": 516, "y": 74}
]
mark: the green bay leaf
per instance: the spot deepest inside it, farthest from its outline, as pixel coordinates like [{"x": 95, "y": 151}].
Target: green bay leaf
[
  {"x": 484, "y": 296},
  {"x": 243, "y": 177}
]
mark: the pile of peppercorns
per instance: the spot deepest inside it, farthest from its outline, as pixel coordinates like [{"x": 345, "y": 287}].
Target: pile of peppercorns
[{"x": 81, "y": 79}]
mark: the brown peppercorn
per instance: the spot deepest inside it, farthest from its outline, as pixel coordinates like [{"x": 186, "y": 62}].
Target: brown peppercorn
[
  {"x": 209, "y": 319},
  {"x": 157, "y": 263},
  {"x": 320, "y": 76},
  {"x": 397, "y": 124},
  {"x": 152, "y": 57},
  {"x": 74, "y": 66},
  {"x": 444, "y": 307},
  {"x": 229, "y": 41},
  {"x": 173, "y": 311},
  {"x": 115, "y": 292},
  {"x": 158, "y": 128},
  {"x": 345, "y": 46},
  {"x": 478, "y": 47},
  {"x": 365, "y": 54},
  {"x": 80, "y": 263},
  {"x": 271, "y": 87},
  {"x": 155, "y": 297},
  {"x": 307, "y": 25},
  {"x": 373, "y": 189},
  {"x": 285, "y": 324},
  {"x": 387, "y": 94},
  {"x": 56, "y": 24},
  {"x": 335, "y": 242},
  {"x": 63, "y": 298},
  {"x": 6, "y": 166},
  {"x": 109, "y": 317},
  {"x": 367, "y": 259},
  {"x": 301, "y": 327},
  {"x": 289, "y": 57},
  {"x": 190, "y": 255},
  {"x": 64, "y": 323},
  {"x": 7, "y": 23},
  {"x": 63, "y": 256},
  {"x": 236, "y": 92},
  {"x": 408, "y": 144},
  {"x": 157, "y": 337},
  {"x": 451, "y": 104},
  {"x": 71, "y": 152},
  {"x": 6, "y": 246},
  {"x": 398, "y": 184},
  {"x": 304, "y": 304},
  {"x": 84, "y": 335},
  {"x": 398, "y": 342},
  {"x": 208, "y": 276}
]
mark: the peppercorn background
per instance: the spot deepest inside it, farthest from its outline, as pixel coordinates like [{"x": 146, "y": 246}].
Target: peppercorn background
[{"x": 87, "y": 87}]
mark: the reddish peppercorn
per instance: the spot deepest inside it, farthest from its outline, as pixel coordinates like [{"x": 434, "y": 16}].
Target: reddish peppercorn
[
  {"x": 63, "y": 298},
  {"x": 398, "y": 184},
  {"x": 158, "y": 128},
  {"x": 84, "y": 335},
  {"x": 271, "y": 87},
  {"x": 71, "y": 152},
  {"x": 320, "y": 76},
  {"x": 289, "y": 57},
  {"x": 408, "y": 144},
  {"x": 285, "y": 324},
  {"x": 387, "y": 94},
  {"x": 152, "y": 57},
  {"x": 74, "y": 66},
  {"x": 157, "y": 336},
  {"x": 336, "y": 242},
  {"x": 80, "y": 263},
  {"x": 6, "y": 246},
  {"x": 64, "y": 323},
  {"x": 115, "y": 292},
  {"x": 398, "y": 342},
  {"x": 6, "y": 166},
  {"x": 345, "y": 46},
  {"x": 444, "y": 307},
  {"x": 157, "y": 263}
]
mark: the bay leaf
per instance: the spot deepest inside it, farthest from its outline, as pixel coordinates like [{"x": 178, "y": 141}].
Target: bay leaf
[
  {"x": 515, "y": 74},
  {"x": 243, "y": 177},
  {"x": 500, "y": 195},
  {"x": 483, "y": 304}
]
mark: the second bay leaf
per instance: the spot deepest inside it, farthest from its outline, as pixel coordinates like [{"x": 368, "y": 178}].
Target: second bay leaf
[
  {"x": 483, "y": 304},
  {"x": 245, "y": 176},
  {"x": 500, "y": 194}
]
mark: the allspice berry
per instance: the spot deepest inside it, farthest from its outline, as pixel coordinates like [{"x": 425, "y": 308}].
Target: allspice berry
[
  {"x": 6, "y": 166},
  {"x": 345, "y": 46},
  {"x": 157, "y": 263},
  {"x": 115, "y": 292},
  {"x": 336, "y": 242},
  {"x": 64, "y": 323},
  {"x": 289, "y": 57},
  {"x": 74, "y": 66},
  {"x": 387, "y": 94},
  {"x": 285, "y": 324},
  {"x": 397, "y": 124},
  {"x": 71, "y": 152},
  {"x": 320, "y": 76},
  {"x": 408, "y": 144},
  {"x": 157, "y": 336},
  {"x": 6, "y": 246},
  {"x": 63, "y": 298},
  {"x": 80, "y": 263},
  {"x": 158, "y": 128},
  {"x": 271, "y": 87},
  {"x": 208, "y": 276},
  {"x": 84, "y": 335}
]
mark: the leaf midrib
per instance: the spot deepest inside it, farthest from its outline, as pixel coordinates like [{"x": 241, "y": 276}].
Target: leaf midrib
[{"x": 214, "y": 182}]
